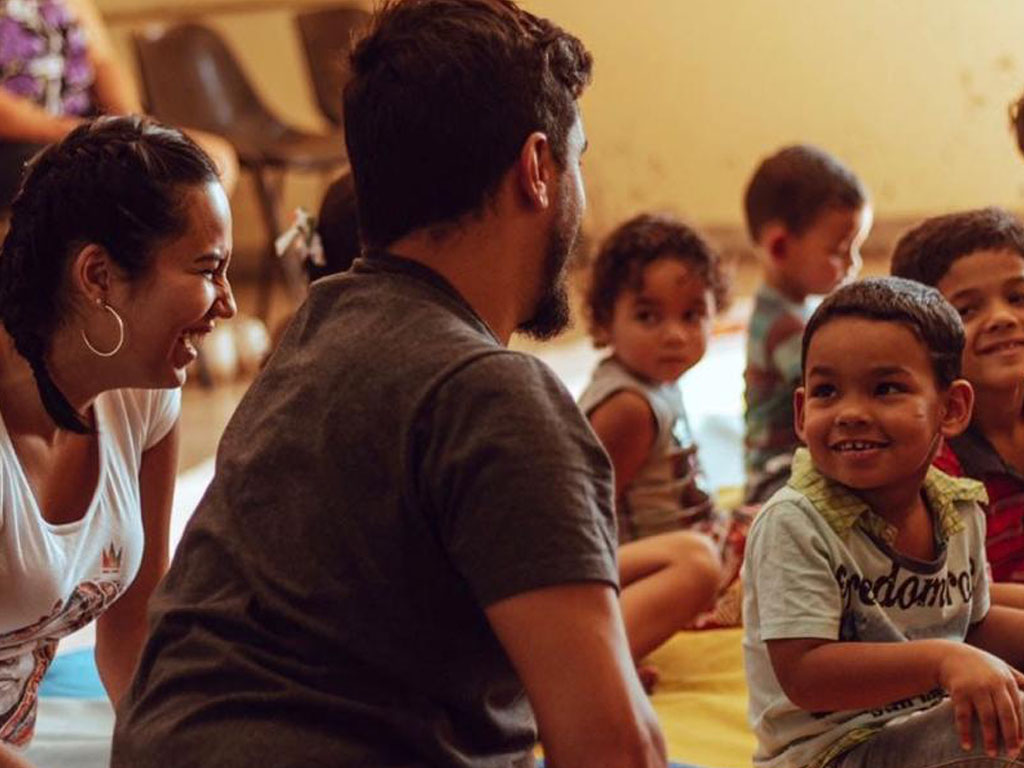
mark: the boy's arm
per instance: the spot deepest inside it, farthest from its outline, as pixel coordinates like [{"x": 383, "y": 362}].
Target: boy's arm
[
  {"x": 1001, "y": 633},
  {"x": 569, "y": 647},
  {"x": 820, "y": 675}
]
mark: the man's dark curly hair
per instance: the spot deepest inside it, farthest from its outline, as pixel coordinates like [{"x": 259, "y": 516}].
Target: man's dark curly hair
[
  {"x": 620, "y": 262},
  {"x": 442, "y": 97}
]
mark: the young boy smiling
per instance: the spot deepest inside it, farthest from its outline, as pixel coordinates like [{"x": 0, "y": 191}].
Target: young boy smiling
[
  {"x": 869, "y": 639},
  {"x": 976, "y": 260}
]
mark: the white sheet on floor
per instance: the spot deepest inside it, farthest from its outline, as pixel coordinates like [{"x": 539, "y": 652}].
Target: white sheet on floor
[{"x": 72, "y": 733}]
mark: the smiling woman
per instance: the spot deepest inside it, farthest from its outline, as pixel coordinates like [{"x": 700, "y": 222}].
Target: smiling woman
[{"x": 114, "y": 265}]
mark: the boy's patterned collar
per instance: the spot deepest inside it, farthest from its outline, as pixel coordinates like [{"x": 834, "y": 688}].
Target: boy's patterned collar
[{"x": 842, "y": 509}]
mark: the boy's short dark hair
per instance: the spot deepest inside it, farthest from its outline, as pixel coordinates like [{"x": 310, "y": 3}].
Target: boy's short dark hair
[
  {"x": 442, "y": 97},
  {"x": 926, "y": 252},
  {"x": 913, "y": 305},
  {"x": 633, "y": 245},
  {"x": 795, "y": 185}
]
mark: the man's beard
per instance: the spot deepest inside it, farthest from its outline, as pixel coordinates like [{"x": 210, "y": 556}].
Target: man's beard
[{"x": 551, "y": 315}]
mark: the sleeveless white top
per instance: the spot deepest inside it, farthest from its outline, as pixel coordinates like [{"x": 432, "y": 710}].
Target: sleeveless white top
[{"x": 55, "y": 579}]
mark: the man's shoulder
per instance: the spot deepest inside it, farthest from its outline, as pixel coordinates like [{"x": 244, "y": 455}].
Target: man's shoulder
[{"x": 507, "y": 379}]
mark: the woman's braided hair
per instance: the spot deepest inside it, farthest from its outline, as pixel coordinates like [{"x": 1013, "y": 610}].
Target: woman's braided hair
[{"x": 117, "y": 182}]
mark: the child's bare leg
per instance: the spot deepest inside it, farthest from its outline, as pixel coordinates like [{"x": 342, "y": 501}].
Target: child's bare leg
[
  {"x": 666, "y": 581},
  {"x": 1009, "y": 594}
]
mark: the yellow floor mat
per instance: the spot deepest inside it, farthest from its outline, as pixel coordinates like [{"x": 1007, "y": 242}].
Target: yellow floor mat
[{"x": 701, "y": 699}]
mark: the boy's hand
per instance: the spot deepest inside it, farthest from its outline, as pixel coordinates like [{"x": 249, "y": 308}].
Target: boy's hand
[{"x": 980, "y": 682}]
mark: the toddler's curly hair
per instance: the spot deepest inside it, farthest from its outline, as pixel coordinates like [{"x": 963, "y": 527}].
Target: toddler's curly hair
[{"x": 633, "y": 245}]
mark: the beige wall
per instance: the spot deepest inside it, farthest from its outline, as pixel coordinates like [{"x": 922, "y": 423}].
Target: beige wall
[{"x": 688, "y": 94}]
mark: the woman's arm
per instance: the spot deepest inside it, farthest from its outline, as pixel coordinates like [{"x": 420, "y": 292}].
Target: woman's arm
[
  {"x": 121, "y": 630},
  {"x": 22, "y": 120},
  {"x": 115, "y": 92}
]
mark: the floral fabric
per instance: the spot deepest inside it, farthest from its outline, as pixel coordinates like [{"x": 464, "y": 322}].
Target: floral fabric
[{"x": 44, "y": 56}]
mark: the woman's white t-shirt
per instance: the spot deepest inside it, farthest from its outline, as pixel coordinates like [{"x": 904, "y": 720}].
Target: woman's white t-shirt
[{"x": 55, "y": 579}]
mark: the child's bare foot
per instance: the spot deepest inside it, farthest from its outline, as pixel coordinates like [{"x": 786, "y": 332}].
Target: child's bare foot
[{"x": 649, "y": 677}]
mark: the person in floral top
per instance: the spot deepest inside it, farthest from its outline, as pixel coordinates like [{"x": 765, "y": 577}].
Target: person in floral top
[{"x": 57, "y": 68}]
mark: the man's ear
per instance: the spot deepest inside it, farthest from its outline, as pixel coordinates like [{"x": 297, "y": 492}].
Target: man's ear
[
  {"x": 799, "y": 398},
  {"x": 957, "y": 408},
  {"x": 92, "y": 272},
  {"x": 774, "y": 240},
  {"x": 535, "y": 168}
]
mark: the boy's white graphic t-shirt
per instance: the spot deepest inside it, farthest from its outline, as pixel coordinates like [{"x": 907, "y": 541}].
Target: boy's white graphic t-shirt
[
  {"x": 55, "y": 579},
  {"x": 819, "y": 564}
]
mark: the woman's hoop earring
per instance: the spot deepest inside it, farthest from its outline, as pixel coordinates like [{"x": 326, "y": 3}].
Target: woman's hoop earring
[{"x": 120, "y": 332}]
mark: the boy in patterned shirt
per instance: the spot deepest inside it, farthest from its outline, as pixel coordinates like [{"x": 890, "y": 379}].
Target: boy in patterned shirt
[{"x": 808, "y": 215}]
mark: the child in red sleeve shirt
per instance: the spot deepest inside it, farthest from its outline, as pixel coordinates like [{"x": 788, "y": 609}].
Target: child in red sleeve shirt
[{"x": 976, "y": 260}]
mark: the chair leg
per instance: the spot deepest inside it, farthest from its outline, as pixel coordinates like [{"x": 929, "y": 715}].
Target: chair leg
[
  {"x": 268, "y": 210},
  {"x": 269, "y": 188}
]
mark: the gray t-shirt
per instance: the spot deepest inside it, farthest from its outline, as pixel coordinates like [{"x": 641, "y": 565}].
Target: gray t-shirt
[{"x": 392, "y": 472}]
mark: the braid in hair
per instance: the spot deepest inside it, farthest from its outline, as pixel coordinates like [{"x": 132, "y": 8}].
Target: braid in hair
[
  {"x": 116, "y": 182},
  {"x": 28, "y": 313}
]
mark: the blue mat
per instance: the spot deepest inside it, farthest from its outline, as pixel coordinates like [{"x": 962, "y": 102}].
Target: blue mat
[{"x": 73, "y": 676}]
